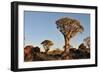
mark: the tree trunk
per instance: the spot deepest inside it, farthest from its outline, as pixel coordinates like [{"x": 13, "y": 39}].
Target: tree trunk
[
  {"x": 67, "y": 44},
  {"x": 47, "y": 49}
]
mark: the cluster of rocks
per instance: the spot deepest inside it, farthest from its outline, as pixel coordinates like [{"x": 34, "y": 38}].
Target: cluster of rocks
[{"x": 34, "y": 54}]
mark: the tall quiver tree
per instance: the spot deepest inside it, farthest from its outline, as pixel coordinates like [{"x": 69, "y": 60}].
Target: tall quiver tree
[
  {"x": 47, "y": 44},
  {"x": 69, "y": 28}
]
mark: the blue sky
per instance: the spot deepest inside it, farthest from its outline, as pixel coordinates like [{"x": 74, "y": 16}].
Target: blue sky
[{"x": 40, "y": 26}]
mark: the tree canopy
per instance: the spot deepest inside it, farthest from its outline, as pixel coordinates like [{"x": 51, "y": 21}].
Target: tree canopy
[
  {"x": 68, "y": 25},
  {"x": 46, "y": 44}
]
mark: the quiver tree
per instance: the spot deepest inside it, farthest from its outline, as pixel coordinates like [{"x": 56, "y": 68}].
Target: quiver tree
[
  {"x": 69, "y": 28},
  {"x": 47, "y": 44}
]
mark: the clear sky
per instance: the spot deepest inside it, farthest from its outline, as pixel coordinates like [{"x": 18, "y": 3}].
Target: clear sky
[{"x": 40, "y": 26}]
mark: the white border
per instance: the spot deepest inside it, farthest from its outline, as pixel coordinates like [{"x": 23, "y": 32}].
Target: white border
[{"x": 22, "y": 64}]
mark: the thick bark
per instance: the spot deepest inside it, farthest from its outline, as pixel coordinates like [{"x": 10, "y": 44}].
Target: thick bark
[
  {"x": 67, "y": 41},
  {"x": 67, "y": 44},
  {"x": 65, "y": 53}
]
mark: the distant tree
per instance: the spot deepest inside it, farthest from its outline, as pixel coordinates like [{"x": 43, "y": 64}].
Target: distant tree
[
  {"x": 87, "y": 41},
  {"x": 47, "y": 44},
  {"x": 69, "y": 28}
]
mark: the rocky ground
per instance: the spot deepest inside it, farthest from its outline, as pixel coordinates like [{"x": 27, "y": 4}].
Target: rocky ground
[{"x": 36, "y": 55}]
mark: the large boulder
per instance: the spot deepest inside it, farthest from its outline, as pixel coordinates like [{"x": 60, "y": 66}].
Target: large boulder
[{"x": 28, "y": 53}]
